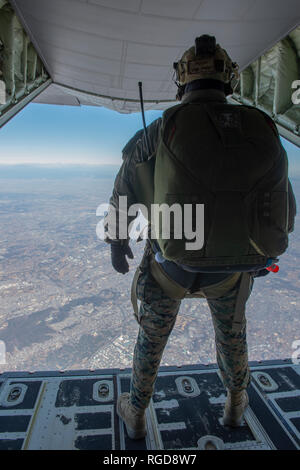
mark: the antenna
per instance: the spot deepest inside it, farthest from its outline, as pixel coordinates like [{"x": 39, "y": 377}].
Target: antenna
[{"x": 143, "y": 116}]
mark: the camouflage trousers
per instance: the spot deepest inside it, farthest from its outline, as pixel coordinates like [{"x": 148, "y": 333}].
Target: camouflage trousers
[{"x": 157, "y": 316}]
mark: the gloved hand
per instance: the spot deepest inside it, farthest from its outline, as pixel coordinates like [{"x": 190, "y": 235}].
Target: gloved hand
[{"x": 118, "y": 257}]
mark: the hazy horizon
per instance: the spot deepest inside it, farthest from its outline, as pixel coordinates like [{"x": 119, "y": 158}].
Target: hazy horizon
[{"x": 57, "y": 136}]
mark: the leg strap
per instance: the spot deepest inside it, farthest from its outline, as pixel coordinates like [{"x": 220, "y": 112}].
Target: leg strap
[
  {"x": 144, "y": 265},
  {"x": 133, "y": 292},
  {"x": 239, "y": 312}
]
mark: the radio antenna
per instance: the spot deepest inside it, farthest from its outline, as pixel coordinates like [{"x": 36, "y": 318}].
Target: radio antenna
[{"x": 143, "y": 116}]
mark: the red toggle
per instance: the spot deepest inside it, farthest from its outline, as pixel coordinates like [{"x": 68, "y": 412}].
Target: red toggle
[{"x": 273, "y": 268}]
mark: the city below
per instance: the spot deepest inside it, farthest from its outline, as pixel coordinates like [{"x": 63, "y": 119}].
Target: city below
[{"x": 64, "y": 307}]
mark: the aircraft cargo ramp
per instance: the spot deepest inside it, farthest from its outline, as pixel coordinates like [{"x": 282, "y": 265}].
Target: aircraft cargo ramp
[{"x": 74, "y": 410}]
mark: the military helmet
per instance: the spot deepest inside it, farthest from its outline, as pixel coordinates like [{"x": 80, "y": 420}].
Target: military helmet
[{"x": 205, "y": 59}]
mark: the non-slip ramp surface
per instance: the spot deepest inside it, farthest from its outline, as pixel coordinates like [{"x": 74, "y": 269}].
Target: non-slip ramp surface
[{"x": 77, "y": 410}]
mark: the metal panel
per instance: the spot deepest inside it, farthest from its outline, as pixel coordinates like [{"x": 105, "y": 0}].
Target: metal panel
[
  {"x": 272, "y": 84},
  {"x": 77, "y": 410},
  {"x": 22, "y": 74}
]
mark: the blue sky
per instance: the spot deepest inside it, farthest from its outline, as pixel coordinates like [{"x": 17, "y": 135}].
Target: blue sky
[
  {"x": 48, "y": 134},
  {"x": 52, "y": 134}
]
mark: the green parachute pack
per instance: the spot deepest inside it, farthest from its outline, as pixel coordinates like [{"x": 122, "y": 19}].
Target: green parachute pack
[{"x": 229, "y": 159}]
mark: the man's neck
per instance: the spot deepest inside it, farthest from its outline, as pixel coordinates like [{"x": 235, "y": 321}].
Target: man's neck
[{"x": 204, "y": 84}]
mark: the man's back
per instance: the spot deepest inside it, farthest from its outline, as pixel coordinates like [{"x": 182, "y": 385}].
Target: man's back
[{"x": 229, "y": 159}]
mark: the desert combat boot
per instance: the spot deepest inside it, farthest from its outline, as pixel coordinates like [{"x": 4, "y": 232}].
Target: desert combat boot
[
  {"x": 235, "y": 406},
  {"x": 134, "y": 418}
]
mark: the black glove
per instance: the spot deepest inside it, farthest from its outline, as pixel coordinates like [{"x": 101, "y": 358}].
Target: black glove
[{"x": 118, "y": 257}]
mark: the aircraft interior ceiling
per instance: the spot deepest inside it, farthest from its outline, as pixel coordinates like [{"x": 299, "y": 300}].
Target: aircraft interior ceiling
[{"x": 94, "y": 52}]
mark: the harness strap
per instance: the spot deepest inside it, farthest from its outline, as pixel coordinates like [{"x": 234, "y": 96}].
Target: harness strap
[
  {"x": 239, "y": 311},
  {"x": 133, "y": 292},
  {"x": 136, "y": 276}
]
